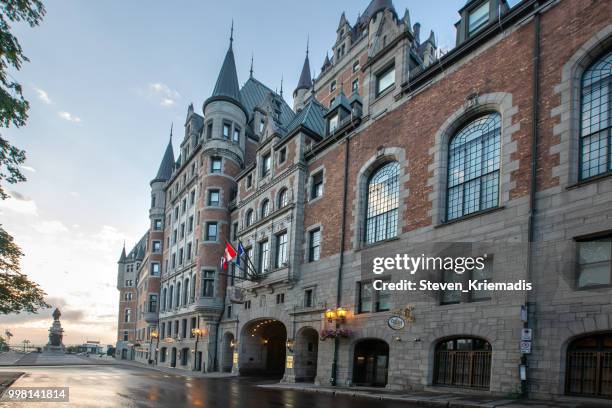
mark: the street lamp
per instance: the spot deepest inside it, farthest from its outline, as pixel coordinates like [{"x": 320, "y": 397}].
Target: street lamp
[
  {"x": 154, "y": 335},
  {"x": 330, "y": 315},
  {"x": 197, "y": 332},
  {"x": 341, "y": 313}
]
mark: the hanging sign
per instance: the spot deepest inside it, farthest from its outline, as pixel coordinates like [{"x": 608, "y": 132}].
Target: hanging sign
[
  {"x": 235, "y": 358},
  {"x": 289, "y": 362}
]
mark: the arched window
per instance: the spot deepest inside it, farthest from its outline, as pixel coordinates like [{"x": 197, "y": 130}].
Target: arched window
[
  {"x": 463, "y": 362},
  {"x": 185, "y": 291},
  {"x": 473, "y": 167},
  {"x": 588, "y": 366},
  {"x": 595, "y": 126},
  {"x": 163, "y": 299},
  {"x": 283, "y": 198},
  {"x": 249, "y": 218},
  {"x": 265, "y": 208},
  {"x": 178, "y": 294},
  {"x": 170, "y": 296},
  {"x": 383, "y": 202},
  {"x": 193, "y": 287}
]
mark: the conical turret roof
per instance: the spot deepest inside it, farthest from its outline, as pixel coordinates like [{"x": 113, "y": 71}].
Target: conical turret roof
[
  {"x": 167, "y": 164},
  {"x": 305, "y": 81}
]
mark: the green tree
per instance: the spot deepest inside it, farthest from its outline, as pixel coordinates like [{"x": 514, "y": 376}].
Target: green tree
[{"x": 17, "y": 292}]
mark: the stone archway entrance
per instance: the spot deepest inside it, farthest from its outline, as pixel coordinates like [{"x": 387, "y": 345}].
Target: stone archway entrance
[
  {"x": 589, "y": 366},
  {"x": 263, "y": 348},
  {"x": 305, "y": 352},
  {"x": 371, "y": 362},
  {"x": 227, "y": 352}
]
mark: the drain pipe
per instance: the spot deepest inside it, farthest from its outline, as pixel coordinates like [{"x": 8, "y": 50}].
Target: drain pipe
[
  {"x": 333, "y": 379},
  {"x": 533, "y": 185}
]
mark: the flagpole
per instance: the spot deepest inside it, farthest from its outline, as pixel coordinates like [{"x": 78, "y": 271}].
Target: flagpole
[{"x": 253, "y": 269}]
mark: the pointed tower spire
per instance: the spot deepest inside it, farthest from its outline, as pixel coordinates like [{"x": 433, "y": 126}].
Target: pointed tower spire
[
  {"x": 251, "y": 71},
  {"x": 305, "y": 81},
  {"x": 167, "y": 164},
  {"x": 123, "y": 255},
  {"x": 281, "y": 90},
  {"x": 227, "y": 82}
]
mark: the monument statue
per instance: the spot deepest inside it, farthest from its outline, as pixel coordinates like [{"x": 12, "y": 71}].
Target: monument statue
[{"x": 56, "y": 335}]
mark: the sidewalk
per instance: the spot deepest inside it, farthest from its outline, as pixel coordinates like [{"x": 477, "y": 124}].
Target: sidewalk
[
  {"x": 176, "y": 371},
  {"x": 10, "y": 357},
  {"x": 438, "y": 399}
]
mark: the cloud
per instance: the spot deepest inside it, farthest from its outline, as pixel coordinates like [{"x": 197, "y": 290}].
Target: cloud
[
  {"x": 28, "y": 168},
  {"x": 69, "y": 117},
  {"x": 18, "y": 203},
  {"x": 167, "y": 97},
  {"x": 43, "y": 95},
  {"x": 74, "y": 194},
  {"x": 50, "y": 227}
]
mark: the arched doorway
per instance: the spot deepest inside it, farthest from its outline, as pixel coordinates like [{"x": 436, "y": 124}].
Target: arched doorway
[
  {"x": 463, "y": 362},
  {"x": 589, "y": 366},
  {"x": 173, "y": 357},
  {"x": 263, "y": 348},
  {"x": 371, "y": 363},
  {"x": 305, "y": 352},
  {"x": 227, "y": 351}
]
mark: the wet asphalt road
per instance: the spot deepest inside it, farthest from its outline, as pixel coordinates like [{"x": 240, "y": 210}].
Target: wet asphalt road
[{"x": 125, "y": 386}]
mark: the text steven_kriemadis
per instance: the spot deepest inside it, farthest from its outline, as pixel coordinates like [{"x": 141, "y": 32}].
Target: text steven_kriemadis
[{"x": 459, "y": 265}]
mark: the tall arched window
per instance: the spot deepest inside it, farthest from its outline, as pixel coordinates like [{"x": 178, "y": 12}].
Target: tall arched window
[
  {"x": 163, "y": 299},
  {"x": 283, "y": 198},
  {"x": 249, "y": 218},
  {"x": 265, "y": 208},
  {"x": 595, "y": 127},
  {"x": 383, "y": 202},
  {"x": 185, "y": 292},
  {"x": 178, "y": 294},
  {"x": 473, "y": 167},
  {"x": 170, "y": 296}
]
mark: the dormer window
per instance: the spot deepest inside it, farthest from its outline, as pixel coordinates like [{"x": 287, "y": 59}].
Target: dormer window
[
  {"x": 266, "y": 164},
  {"x": 262, "y": 124},
  {"x": 332, "y": 86},
  {"x": 333, "y": 123},
  {"x": 478, "y": 17},
  {"x": 385, "y": 80}
]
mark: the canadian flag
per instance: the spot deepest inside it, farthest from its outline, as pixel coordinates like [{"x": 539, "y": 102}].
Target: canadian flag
[{"x": 228, "y": 255}]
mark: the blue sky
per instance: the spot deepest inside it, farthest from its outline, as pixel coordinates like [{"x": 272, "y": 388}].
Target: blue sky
[{"x": 105, "y": 81}]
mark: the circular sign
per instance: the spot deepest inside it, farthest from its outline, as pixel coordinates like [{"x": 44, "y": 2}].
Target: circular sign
[{"x": 396, "y": 323}]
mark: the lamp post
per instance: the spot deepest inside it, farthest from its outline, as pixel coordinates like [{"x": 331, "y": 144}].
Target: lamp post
[
  {"x": 336, "y": 316},
  {"x": 154, "y": 335},
  {"x": 197, "y": 332}
]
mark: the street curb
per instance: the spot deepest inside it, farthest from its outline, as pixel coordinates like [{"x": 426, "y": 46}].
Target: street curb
[
  {"x": 5, "y": 385},
  {"x": 381, "y": 397}
]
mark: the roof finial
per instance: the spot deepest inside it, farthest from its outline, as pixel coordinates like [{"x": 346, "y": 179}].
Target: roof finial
[
  {"x": 252, "y": 56},
  {"x": 307, "y": 44},
  {"x": 171, "y": 126},
  {"x": 232, "y": 33},
  {"x": 281, "y": 90}
]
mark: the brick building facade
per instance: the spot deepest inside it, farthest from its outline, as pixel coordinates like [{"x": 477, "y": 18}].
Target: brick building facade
[{"x": 501, "y": 144}]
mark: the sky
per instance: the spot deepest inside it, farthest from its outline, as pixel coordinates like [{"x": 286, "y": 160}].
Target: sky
[{"x": 105, "y": 81}]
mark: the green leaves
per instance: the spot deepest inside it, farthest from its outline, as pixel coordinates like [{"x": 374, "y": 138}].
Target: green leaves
[{"x": 17, "y": 292}]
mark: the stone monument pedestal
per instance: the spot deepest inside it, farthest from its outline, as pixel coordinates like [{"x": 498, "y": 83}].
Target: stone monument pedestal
[{"x": 56, "y": 336}]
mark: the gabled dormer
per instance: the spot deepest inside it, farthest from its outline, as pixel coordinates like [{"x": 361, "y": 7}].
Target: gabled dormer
[
  {"x": 338, "y": 112},
  {"x": 343, "y": 38},
  {"x": 478, "y": 14}
]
